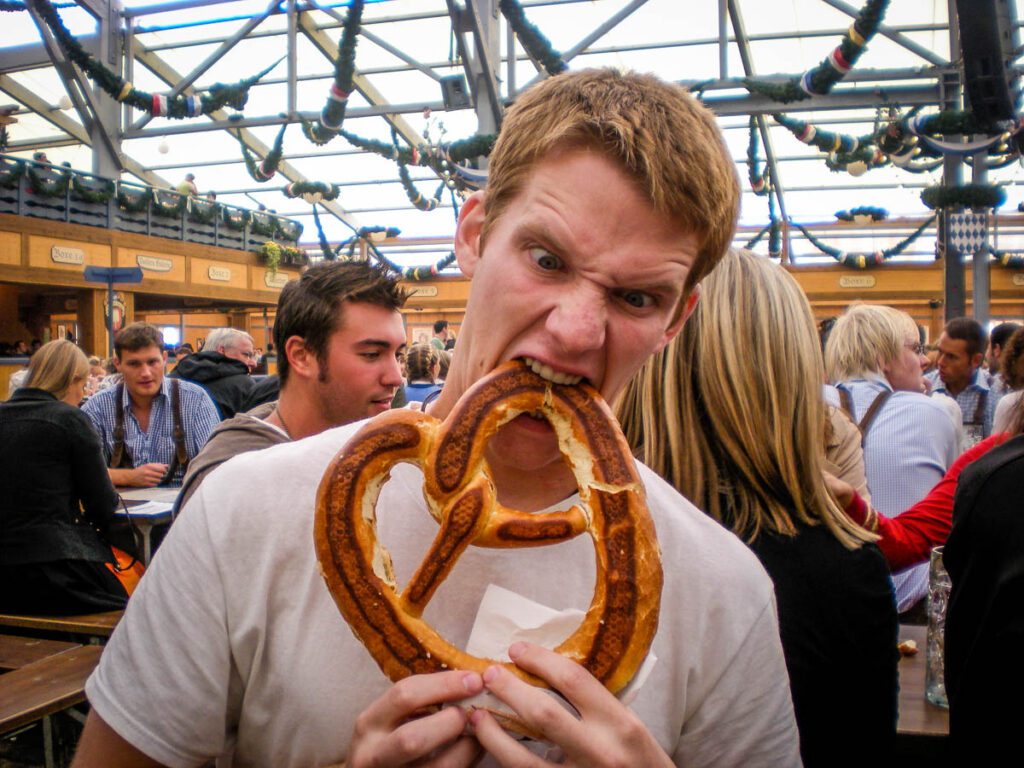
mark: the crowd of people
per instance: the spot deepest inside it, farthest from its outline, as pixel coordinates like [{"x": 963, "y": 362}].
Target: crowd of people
[{"x": 797, "y": 487}]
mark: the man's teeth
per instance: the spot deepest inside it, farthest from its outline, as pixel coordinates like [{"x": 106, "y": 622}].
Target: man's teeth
[{"x": 549, "y": 373}]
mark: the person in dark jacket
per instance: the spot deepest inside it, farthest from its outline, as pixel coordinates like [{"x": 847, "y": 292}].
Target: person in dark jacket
[
  {"x": 223, "y": 368},
  {"x": 56, "y": 494}
]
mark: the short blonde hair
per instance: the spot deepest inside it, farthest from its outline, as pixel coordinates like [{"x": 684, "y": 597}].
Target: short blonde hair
[
  {"x": 864, "y": 339},
  {"x": 731, "y": 413},
  {"x": 663, "y": 137},
  {"x": 56, "y": 366}
]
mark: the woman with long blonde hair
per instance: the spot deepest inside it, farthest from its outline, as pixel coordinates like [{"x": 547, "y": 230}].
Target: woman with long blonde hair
[
  {"x": 731, "y": 413},
  {"x": 56, "y": 494}
]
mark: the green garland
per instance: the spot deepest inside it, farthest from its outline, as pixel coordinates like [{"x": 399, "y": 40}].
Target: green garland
[
  {"x": 235, "y": 218},
  {"x": 439, "y": 157},
  {"x": 333, "y": 114},
  {"x": 170, "y": 210},
  {"x": 48, "y": 182},
  {"x": 826, "y": 141},
  {"x": 263, "y": 224},
  {"x": 11, "y": 5},
  {"x": 875, "y": 214},
  {"x": 312, "y": 192},
  {"x": 157, "y": 105},
  {"x": 288, "y": 229},
  {"x": 756, "y": 239},
  {"x": 134, "y": 200},
  {"x": 95, "y": 190},
  {"x": 536, "y": 45},
  {"x": 820, "y": 80},
  {"x": 264, "y": 171},
  {"x": 11, "y": 171},
  {"x": 865, "y": 260},
  {"x": 758, "y": 178},
  {"x": 950, "y": 122},
  {"x": 967, "y": 196},
  {"x": 203, "y": 211},
  {"x": 1009, "y": 259},
  {"x": 414, "y": 195}
]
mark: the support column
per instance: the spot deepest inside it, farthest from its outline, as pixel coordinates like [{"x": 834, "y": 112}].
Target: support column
[
  {"x": 92, "y": 324},
  {"x": 105, "y": 151},
  {"x": 981, "y": 289}
]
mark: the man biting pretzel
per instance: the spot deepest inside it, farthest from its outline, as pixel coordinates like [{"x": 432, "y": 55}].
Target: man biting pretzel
[{"x": 609, "y": 197}]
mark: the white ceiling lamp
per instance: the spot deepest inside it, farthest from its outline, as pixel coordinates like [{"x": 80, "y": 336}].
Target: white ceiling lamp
[{"x": 163, "y": 148}]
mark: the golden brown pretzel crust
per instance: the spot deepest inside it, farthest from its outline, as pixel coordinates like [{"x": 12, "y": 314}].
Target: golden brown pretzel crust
[{"x": 617, "y": 630}]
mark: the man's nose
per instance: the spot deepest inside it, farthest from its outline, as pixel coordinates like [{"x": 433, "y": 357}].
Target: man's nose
[
  {"x": 392, "y": 374},
  {"x": 579, "y": 320}
]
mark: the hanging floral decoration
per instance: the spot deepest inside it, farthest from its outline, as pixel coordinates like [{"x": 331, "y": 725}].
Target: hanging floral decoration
[
  {"x": 265, "y": 170},
  {"x": 865, "y": 260},
  {"x": 11, "y": 171},
  {"x": 821, "y": 79},
  {"x": 48, "y": 181},
  {"x": 415, "y": 196},
  {"x": 863, "y": 214},
  {"x": 758, "y": 179},
  {"x": 133, "y": 199},
  {"x": 169, "y": 204},
  {"x": 333, "y": 114},
  {"x": 536, "y": 45},
  {"x": 273, "y": 254},
  {"x": 121, "y": 90},
  {"x": 93, "y": 189},
  {"x": 235, "y": 218},
  {"x": 288, "y": 229},
  {"x": 965, "y": 196},
  {"x": 312, "y": 192},
  {"x": 11, "y": 5}
]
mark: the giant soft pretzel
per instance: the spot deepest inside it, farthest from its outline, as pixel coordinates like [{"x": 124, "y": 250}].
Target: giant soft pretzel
[{"x": 617, "y": 630}]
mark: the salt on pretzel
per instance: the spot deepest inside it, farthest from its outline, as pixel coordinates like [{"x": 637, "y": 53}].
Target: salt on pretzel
[{"x": 616, "y": 632}]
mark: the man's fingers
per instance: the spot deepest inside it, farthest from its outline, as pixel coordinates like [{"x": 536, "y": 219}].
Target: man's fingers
[
  {"x": 463, "y": 753},
  {"x": 502, "y": 747},
  {"x": 579, "y": 687},
  {"x": 407, "y": 696},
  {"x": 535, "y": 707},
  {"x": 418, "y": 738}
]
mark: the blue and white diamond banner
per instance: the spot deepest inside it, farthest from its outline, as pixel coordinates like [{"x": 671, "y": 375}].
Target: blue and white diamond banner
[{"x": 968, "y": 232}]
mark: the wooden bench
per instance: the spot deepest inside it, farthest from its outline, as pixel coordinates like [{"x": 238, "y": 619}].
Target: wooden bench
[
  {"x": 92, "y": 624},
  {"x": 45, "y": 687},
  {"x": 17, "y": 651}
]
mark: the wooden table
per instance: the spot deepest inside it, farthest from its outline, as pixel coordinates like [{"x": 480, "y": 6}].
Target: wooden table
[
  {"x": 44, "y": 687},
  {"x": 918, "y": 716},
  {"x": 92, "y": 624},
  {"x": 17, "y": 652}
]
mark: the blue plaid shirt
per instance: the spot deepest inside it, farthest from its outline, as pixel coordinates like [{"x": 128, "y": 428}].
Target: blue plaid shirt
[
  {"x": 198, "y": 416},
  {"x": 968, "y": 402}
]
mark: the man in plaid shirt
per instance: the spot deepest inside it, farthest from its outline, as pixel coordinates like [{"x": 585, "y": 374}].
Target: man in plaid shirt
[
  {"x": 961, "y": 352},
  {"x": 150, "y": 427}
]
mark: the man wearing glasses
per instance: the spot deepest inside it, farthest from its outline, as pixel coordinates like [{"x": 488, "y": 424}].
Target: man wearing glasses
[
  {"x": 875, "y": 359},
  {"x": 223, "y": 368}
]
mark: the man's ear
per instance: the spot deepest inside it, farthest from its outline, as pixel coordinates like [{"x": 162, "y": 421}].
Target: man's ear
[
  {"x": 302, "y": 360},
  {"x": 689, "y": 304},
  {"x": 467, "y": 234},
  {"x": 165, "y": 357},
  {"x": 117, "y": 363},
  {"x": 976, "y": 359}
]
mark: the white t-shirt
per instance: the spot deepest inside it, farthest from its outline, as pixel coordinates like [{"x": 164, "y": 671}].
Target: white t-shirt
[
  {"x": 1005, "y": 409},
  {"x": 233, "y": 639}
]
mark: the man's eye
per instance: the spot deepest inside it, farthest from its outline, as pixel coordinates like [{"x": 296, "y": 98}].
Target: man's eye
[
  {"x": 637, "y": 299},
  {"x": 545, "y": 259},
  {"x": 371, "y": 355}
]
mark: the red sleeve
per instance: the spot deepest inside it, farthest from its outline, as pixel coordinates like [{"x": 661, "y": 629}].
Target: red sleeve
[{"x": 908, "y": 539}]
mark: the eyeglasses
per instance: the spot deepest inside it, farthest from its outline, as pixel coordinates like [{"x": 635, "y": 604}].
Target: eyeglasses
[{"x": 915, "y": 347}]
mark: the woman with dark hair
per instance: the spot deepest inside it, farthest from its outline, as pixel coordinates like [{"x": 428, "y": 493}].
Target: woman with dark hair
[
  {"x": 56, "y": 494},
  {"x": 731, "y": 414}
]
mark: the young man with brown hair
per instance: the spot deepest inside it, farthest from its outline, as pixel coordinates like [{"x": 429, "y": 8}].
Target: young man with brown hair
[
  {"x": 609, "y": 196},
  {"x": 150, "y": 426},
  {"x": 340, "y": 337},
  {"x": 961, "y": 352}
]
